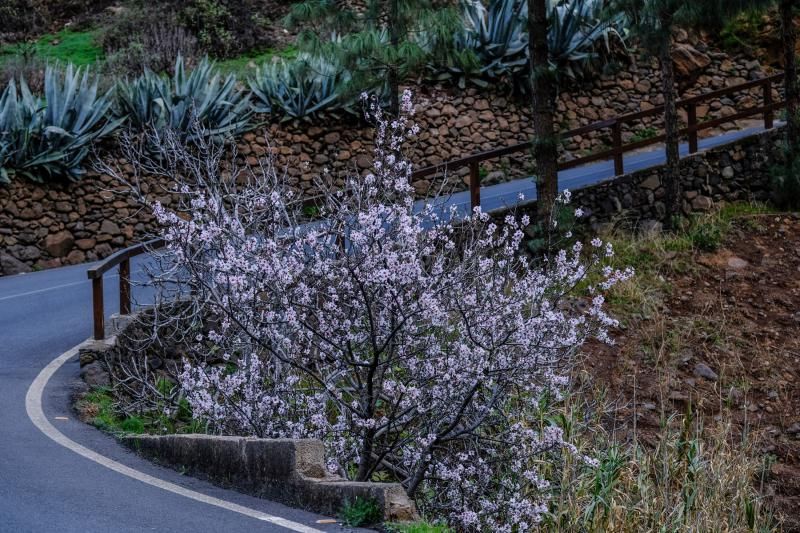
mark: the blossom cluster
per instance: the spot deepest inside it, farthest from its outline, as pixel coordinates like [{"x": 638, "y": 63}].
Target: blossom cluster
[{"x": 413, "y": 343}]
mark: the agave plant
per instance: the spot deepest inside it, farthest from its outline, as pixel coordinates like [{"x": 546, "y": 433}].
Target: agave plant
[
  {"x": 200, "y": 96},
  {"x": 302, "y": 87},
  {"x": 46, "y": 138},
  {"x": 580, "y": 31},
  {"x": 497, "y": 34}
]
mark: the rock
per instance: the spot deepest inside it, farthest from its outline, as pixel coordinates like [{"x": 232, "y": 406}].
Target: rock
[
  {"x": 95, "y": 376},
  {"x": 364, "y": 161},
  {"x": 677, "y": 396},
  {"x": 75, "y": 257},
  {"x": 702, "y": 370},
  {"x": 728, "y": 172},
  {"x": 688, "y": 60},
  {"x": 650, "y": 227},
  {"x": 10, "y": 265},
  {"x": 463, "y": 121},
  {"x": 652, "y": 183},
  {"x": 794, "y": 429},
  {"x": 59, "y": 244},
  {"x": 737, "y": 263},
  {"x": 702, "y": 203},
  {"x": 332, "y": 137},
  {"x": 109, "y": 227}
]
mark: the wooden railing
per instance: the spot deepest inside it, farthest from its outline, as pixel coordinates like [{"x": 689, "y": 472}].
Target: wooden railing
[
  {"x": 618, "y": 149},
  {"x": 616, "y": 152},
  {"x": 123, "y": 259}
]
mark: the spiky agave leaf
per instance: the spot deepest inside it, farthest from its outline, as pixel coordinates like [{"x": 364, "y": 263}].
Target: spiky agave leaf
[
  {"x": 200, "y": 96},
  {"x": 302, "y": 87},
  {"x": 48, "y": 138}
]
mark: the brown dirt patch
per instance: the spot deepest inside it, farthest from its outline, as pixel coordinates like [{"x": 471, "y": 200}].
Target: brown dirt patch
[{"x": 726, "y": 340}]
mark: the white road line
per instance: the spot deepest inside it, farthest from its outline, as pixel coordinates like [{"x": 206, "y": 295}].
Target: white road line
[
  {"x": 33, "y": 405},
  {"x": 46, "y": 289}
]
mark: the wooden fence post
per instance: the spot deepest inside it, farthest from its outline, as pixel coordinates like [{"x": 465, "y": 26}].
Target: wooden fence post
[
  {"x": 619, "y": 159},
  {"x": 97, "y": 309},
  {"x": 769, "y": 116},
  {"x": 125, "y": 287},
  {"x": 474, "y": 184},
  {"x": 692, "y": 112}
]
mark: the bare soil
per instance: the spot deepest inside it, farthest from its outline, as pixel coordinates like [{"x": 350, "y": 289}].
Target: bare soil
[{"x": 726, "y": 341}]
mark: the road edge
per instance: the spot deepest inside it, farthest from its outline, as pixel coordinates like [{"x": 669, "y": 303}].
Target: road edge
[{"x": 33, "y": 407}]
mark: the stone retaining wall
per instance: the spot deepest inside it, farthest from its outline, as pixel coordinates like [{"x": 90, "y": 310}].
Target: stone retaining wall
[
  {"x": 54, "y": 225},
  {"x": 738, "y": 171}
]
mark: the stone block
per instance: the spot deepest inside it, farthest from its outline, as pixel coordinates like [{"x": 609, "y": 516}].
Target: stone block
[{"x": 290, "y": 471}]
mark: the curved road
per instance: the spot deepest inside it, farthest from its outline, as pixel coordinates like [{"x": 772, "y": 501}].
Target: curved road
[{"x": 46, "y": 487}]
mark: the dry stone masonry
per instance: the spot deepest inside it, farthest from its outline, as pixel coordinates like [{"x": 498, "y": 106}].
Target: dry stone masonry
[{"x": 62, "y": 224}]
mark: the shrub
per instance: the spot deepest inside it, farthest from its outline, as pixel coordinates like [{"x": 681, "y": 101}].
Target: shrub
[
  {"x": 301, "y": 87},
  {"x": 786, "y": 179},
  {"x": 24, "y": 65},
  {"x": 581, "y": 32},
  {"x": 413, "y": 344},
  {"x": 20, "y": 20},
  {"x": 48, "y": 138},
  {"x": 201, "y": 96},
  {"x": 146, "y": 37},
  {"x": 226, "y": 28}
]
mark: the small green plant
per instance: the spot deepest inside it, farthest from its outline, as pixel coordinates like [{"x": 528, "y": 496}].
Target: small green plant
[
  {"x": 644, "y": 134},
  {"x": 417, "y": 527},
  {"x": 132, "y": 424},
  {"x": 743, "y": 31},
  {"x": 361, "y": 512}
]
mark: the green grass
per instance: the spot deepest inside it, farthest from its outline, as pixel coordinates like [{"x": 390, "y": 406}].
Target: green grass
[
  {"x": 99, "y": 406},
  {"x": 81, "y": 49},
  {"x": 241, "y": 65},
  {"x": 654, "y": 257},
  {"x": 417, "y": 527},
  {"x": 361, "y": 512},
  {"x": 76, "y": 47}
]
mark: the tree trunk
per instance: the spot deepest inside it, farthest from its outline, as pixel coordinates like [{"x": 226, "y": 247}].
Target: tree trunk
[
  {"x": 789, "y": 37},
  {"x": 543, "y": 99},
  {"x": 672, "y": 169},
  {"x": 394, "y": 37}
]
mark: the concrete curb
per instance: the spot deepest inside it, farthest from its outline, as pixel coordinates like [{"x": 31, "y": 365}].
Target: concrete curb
[{"x": 291, "y": 471}]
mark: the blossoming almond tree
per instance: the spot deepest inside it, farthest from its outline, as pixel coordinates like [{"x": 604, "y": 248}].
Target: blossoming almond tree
[{"x": 415, "y": 345}]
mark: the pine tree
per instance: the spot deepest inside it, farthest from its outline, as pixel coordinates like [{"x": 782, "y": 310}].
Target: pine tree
[
  {"x": 543, "y": 101},
  {"x": 715, "y": 11},
  {"x": 654, "y": 22},
  {"x": 381, "y": 42}
]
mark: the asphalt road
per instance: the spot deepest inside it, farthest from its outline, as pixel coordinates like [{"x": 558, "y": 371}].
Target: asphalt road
[{"x": 45, "y": 487}]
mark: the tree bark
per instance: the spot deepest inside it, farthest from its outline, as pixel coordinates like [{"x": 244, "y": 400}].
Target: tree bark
[
  {"x": 789, "y": 37},
  {"x": 394, "y": 37},
  {"x": 672, "y": 169},
  {"x": 543, "y": 98}
]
